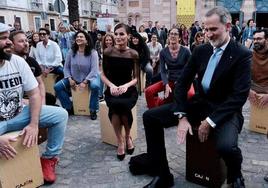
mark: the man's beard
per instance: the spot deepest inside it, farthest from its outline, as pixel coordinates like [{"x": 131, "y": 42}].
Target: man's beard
[
  {"x": 4, "y": 55},
  {"x": 258, "y": 46}
]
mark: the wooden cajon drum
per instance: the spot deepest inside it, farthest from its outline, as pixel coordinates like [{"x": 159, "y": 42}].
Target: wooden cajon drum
[
  {"x": 81, "y": 101},
  {"x": 203, "y": 164},
  {"x": 49, "y": 82},
  {"x": 107, "y": 131},
  {"x": 142, "y": 80},
  {"x": 258, "y": 121},
  {"x": 24, "y": 170}
]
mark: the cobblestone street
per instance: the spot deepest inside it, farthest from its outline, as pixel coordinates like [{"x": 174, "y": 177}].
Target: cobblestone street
[{"x": 87, "y": 162}]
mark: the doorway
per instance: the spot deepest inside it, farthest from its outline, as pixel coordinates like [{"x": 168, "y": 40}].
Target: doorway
[
  {"x": 261, "y": 19},
  {"x": 235, "y": 16}
]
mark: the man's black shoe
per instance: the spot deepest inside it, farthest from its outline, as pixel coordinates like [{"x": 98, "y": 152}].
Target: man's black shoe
[
  {"x": 159, "y": 182},
  {"x": 238, "y": 183},
  {"x": 266, "y": 178},
  {"x": 70, "y": 111}
]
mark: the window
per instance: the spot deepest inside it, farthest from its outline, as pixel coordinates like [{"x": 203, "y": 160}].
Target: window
[
  {"x": 52, "y": 24},
  {"x": 157, "y": 2},
  {"x": 37, "y": 23},
  {"x": 2, "y": 19},
  {"x": 85, "y": 24}
]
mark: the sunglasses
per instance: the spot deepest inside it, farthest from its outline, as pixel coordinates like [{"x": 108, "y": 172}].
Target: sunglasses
[{"x": 42, "y": 34}]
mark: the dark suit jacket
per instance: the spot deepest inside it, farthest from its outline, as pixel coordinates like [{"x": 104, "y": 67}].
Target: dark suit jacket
[
  {"x": 162, "y": 37},
  {"x": 229, "y": 87},
  {"x": 236, "y": 33},
  {"x": 150, "y": 32}
]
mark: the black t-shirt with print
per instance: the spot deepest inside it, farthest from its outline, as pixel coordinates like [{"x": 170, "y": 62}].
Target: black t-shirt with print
[{"x": 35, "y": 67}]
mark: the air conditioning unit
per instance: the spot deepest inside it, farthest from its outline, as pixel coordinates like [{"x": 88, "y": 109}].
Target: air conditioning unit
[{"x": 50, "y": 7}]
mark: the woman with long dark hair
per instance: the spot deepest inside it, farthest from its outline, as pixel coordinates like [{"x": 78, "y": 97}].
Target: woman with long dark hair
[
  {"x": 81, "y": 68},
  {"x": 120, "y": 74},
  {"x": 137, "y": 43},
  {"x": 34, "y": 40}
]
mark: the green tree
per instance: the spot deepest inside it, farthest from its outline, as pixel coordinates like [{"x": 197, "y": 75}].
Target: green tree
[{"x": 73, "y": 9}]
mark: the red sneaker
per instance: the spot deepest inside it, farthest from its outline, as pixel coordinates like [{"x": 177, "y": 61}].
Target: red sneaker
[{"x": 48, "y": 168}]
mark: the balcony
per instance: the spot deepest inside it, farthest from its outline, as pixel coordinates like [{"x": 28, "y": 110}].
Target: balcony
[{"x": 36, "y": 5}]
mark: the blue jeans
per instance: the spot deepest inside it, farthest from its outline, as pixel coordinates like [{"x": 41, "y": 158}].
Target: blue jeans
[
  {"x": 62, "y": 89},
  {"x": 51, "y": 117}
]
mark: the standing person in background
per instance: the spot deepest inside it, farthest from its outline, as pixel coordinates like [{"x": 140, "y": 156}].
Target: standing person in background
[
  {"x": 184, "y": 35},
  {"x": 247, "y": 36},
  {"x": 17, "y": 26},
  {"x": 194, "y": 30},
  {"x": 65, "y": 39},
  {"x": 143, "y": 33},
  {"x": 34, "y": 40},
  {"x": 107, "y": 42},
  {"x": 81, "y": 69},
  {"x": 161, "y": 35},
  {"x": 94, "y": 33},
  {"x": 155, "y": 49},
  {"x": 137, "y": 43},
  {"x": 49, "y": 55},
  {"x": 236, "y": 31},
  {"x": 130, "y": 25},
  {"x": 120, "y": 74},
  {"x": 150, "y": 30},
  {"x": 198, "y": 40}
]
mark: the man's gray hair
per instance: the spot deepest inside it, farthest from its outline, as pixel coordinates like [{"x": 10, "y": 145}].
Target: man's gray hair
[{"x": 223, "y": 13}]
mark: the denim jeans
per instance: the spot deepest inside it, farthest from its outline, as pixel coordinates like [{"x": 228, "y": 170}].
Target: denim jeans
[
  {"x": 51, "y": 117},
  {"x": 62, "y": 89},
  {"x": 148, "y": 69}
]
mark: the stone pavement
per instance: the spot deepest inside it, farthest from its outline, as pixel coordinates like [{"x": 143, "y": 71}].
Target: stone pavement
[{"x": 86, "y": 162}]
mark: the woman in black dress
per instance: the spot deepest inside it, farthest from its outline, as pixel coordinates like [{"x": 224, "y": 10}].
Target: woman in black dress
[{"x": 120, "y": 74}]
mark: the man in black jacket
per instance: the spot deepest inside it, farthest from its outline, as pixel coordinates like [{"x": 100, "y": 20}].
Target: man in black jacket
[{"x": 222, "y": 67}]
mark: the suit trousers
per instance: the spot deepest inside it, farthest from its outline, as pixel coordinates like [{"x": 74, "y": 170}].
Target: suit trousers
[{"x": 225, "y": 136}]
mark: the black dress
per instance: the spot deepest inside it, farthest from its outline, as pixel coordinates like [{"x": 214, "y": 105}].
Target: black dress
[{"x": 120, "y": 70}]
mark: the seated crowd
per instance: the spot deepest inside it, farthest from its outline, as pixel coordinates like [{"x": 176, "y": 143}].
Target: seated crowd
[{"x": 199, "y": 89}]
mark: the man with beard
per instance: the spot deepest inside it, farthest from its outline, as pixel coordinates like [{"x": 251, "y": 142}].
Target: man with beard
[
  {"x": 16, "y": 78},
  {"x": 21, "y": 48},
  {"x": 259, "y": 88},
  {"x": 222, "y": 67}
]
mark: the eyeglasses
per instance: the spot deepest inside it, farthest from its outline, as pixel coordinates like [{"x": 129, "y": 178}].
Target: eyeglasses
[
  {"x": 42, "y": 34},
  {"x": 175, "y": 34}
]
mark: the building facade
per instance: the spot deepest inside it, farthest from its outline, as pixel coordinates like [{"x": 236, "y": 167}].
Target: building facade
[
  {"x": 241, "y": 10},
  {"x": 141, "y": 11},
  {"x": 33, "y": 14}
]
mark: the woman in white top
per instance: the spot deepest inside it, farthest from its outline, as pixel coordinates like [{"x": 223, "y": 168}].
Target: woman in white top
[
  {"x": 143, "y": 33},
  {"x": 154, "y": 48},
  {"x": 34, "y": 40}
]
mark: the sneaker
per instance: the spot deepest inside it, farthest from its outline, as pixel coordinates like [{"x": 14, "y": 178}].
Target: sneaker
[
  {"x": 93, "y": 115},
  {"x": 48, "y": 168}
]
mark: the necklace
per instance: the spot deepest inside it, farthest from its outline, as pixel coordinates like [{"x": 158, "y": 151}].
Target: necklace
[{"x": 174, "y": 52}]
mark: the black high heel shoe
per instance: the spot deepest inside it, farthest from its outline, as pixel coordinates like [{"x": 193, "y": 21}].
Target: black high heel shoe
[
  {"x": 121, "y": 156},
  {"x": 130, "y": 151}
]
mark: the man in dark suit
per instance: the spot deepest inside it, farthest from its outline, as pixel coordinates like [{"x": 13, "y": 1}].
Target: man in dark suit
[
  {"x": 161, "y": 34},
  {"x": 236, "y": 31},
  {"x": 222, "y": 67},
  {"x": 150, "y": 30},
  {"x": 194, "y": 30}
]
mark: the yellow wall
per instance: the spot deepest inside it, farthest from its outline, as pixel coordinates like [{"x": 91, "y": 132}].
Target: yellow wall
[{"x": 185, "y": 12}]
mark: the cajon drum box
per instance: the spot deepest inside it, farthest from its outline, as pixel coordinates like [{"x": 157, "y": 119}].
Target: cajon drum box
[
  {"x": 203, "y": 164},
  {"x": 258, "y": 121},
  {"x": 107, "y": 131},
  {"x": 81, "y": 101},
  {"x": 49, "y": 82},
  {"x": 24, "y": 170}
]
